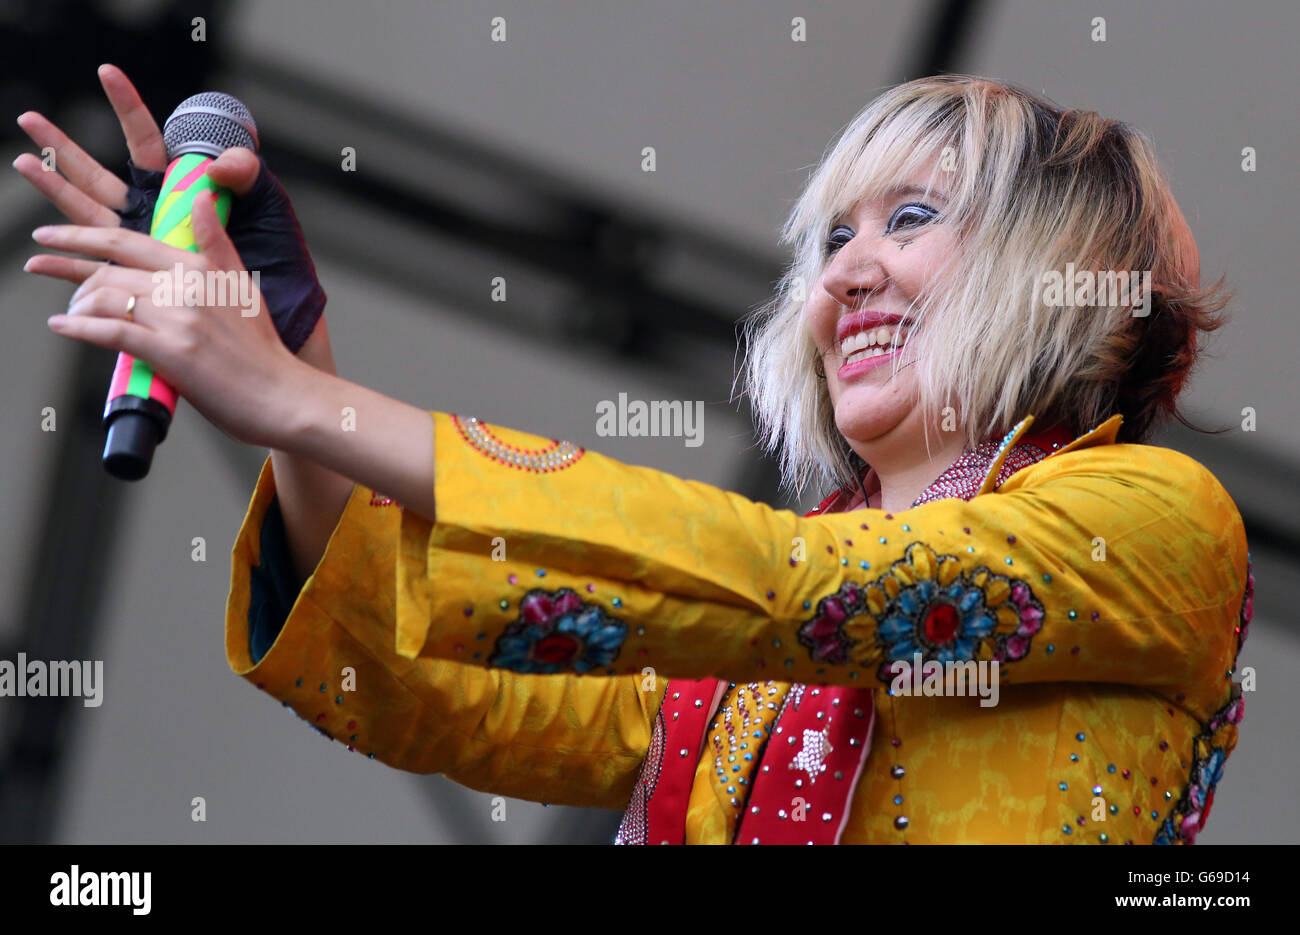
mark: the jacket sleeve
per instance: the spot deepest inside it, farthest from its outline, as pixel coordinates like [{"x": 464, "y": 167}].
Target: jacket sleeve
[
  {"x": 273, "y": 584},
  {"x": 551, "y": 738},
  {"x": 1111, "y": 563}
]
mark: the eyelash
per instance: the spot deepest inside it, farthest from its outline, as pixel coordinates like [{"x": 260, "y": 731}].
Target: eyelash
[{"x": 833, "y": 245}]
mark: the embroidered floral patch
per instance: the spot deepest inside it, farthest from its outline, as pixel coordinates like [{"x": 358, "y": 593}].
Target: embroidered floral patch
[
  {"x": 924, "y": 604},
  {"x": 1217, "y": 737},
  {"x": 557, "y": 632},
  {"x": 1187, "y": 818}
]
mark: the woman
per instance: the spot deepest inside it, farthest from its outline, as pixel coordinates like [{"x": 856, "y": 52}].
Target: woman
[{"x": 1010, "y": 622}]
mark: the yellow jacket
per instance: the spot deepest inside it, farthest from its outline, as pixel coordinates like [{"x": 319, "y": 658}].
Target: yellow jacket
[{"x": 1113, "y": 718}]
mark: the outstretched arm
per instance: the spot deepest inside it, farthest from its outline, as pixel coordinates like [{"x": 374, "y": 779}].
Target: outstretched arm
[{"x": 1110, "y": 563}]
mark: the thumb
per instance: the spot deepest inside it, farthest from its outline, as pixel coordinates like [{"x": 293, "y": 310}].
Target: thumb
[
  {"x": 210, "y": 236},
  {"x": 235, "y": 169}
]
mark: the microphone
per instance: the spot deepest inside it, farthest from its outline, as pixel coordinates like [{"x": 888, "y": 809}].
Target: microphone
[{"x": 140, "y": 404}]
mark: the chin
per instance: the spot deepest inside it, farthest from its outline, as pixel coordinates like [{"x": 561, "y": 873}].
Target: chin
[
  {"x": 865, "y": 423},
  {"x": 864, "y": 413}
]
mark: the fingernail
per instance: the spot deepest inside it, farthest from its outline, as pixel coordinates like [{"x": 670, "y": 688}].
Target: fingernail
[
  {"x": 56, "y": 321},
  {"x": 42, "y": 234}
]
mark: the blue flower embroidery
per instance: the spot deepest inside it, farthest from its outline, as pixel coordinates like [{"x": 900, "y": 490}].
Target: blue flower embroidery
[
  {"x": 557, "y": 632},
  {"x": 926, "y": 603}
]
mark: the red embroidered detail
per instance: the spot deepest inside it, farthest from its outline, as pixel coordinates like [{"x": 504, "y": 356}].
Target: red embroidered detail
[
  {"x": 941, "y": 623},
  {"x": 378, "y": 499},
  {"x": 559, "y": 455}
]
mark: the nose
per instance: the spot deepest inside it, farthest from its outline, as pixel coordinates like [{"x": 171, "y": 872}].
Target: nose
[{"x": 855, "y": 273}]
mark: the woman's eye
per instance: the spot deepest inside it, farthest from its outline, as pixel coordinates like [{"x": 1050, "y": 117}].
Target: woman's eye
[
  {"x": 838, "y": 238},
  {"x": 909, "y": 216}
]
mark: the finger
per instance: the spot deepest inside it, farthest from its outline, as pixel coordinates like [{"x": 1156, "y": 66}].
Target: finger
[
  {"x": 64, "y": 267},
  {"x": 122, "y": 246},
  {"x": 110, "y": 302},
  {"x": 74, "y": 162},
  {"x": 143, "y": 138},
  {"x": 116, "y": 334},
  {"x": 75, "y": 204},
  {"x": 236, "y": 169},
  {"x": 211, "y": 238},
  {"x": 132, "y": 281}
]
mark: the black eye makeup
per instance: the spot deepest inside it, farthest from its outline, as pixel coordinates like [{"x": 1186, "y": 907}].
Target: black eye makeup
[
  {"x": 839, "y": 236},
  {"x": 910, "y": 216},
  {"x": 906, "y": 218}
]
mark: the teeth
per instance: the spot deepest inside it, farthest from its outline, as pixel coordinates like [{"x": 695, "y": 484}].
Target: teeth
[
  {"x": 878, "y": 338},
  {"x": 865, "y": 354}
]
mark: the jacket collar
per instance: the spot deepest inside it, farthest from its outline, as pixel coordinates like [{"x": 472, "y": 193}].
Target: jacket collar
[
  {"x": 1103, "y": 434},
  {"x": 985, "y": 468}
]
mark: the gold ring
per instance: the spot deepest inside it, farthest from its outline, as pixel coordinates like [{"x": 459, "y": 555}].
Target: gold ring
[{"x": 130, "y": 309}]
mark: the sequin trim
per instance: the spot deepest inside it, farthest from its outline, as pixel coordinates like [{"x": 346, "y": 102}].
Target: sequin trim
[
  {"x": 635, "y": 826},
  {"x": 966, "y": 475},
  {"x": 558, "y": 456}
]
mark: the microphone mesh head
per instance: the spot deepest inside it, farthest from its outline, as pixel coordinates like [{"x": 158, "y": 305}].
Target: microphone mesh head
[{"x": 209, "y": 123}]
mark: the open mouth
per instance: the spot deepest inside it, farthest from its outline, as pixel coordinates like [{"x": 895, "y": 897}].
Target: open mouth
[{"x": 873, "y": 342}]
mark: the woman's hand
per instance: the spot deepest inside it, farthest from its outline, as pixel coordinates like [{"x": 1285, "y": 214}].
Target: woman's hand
[
  {"x": 231, "y": 365},
  {"x": 86, "y": 192},
  {"x": 262, "y": 222}
]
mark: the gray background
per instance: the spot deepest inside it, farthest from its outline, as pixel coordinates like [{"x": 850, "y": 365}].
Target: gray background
[{"x": 737, "y": 113}]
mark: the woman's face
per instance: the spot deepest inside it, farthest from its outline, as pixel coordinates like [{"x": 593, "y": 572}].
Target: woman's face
[{"x": 881, "y": 255}]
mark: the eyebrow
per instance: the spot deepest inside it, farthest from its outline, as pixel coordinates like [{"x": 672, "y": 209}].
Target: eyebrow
[
  {"x": 902, "y": 191},
  {"x": 919, "y": 190}
]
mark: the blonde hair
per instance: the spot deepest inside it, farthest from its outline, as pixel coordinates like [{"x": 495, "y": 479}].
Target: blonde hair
[{"x": 1029, "y": 188}]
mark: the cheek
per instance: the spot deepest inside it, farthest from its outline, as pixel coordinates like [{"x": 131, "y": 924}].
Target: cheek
[
  {"x": 924, "y": 259},
  {"x": 820, "y": 322}
]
